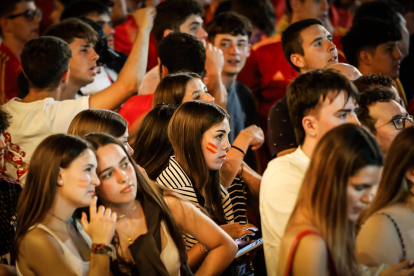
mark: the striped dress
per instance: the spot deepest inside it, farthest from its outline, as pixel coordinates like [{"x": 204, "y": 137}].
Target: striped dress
[{"x": 174, "y": 177}]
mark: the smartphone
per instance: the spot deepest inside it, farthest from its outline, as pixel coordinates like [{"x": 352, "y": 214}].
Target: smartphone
[{"x": 249, "y": 247}]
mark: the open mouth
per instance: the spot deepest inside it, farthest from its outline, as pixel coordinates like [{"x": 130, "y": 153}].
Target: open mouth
[
  {"x": 333, "y": 59},
  {"x": 233, "y": 62}
]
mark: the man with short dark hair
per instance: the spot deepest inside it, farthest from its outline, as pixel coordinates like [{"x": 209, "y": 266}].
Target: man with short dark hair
[
  {"x": 366, "y": 82},
  {"x": 318, "y": 101},
  {"x": 382, "y": 115},
  {"x": 372, "y": 46},
  {"x": 306, "y": 45},
  {"x": 81, "y": 38},
  {"x": 46, "y": 63},
  {"x": 19, "y": 23}
]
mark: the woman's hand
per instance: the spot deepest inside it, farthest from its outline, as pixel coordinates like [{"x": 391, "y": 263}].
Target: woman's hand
[
  {"x": 238, "y": 230},
  {"x": 101, "y": 227},
  {"x": 402, "y": 269}
]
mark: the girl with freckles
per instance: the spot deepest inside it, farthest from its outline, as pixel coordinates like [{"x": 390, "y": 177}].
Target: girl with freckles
[
  {"x": 198, "y": 132},
  {"x": 148, "y": 236}
]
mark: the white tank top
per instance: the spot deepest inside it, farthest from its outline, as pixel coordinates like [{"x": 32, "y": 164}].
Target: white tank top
[
  {"x": 170, "y": 255},
  {"x": 79, "y": 266}
]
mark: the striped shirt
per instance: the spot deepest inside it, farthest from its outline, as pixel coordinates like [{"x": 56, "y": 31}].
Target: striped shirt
[
  {"x": 174, "y": 177},
  {"x": 238, "y": 196}
]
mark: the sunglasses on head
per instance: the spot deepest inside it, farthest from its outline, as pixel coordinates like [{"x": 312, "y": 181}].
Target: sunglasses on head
[{"x": 29, "y": 15}]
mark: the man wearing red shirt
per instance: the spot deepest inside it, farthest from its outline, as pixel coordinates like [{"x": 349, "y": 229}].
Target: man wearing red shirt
[{"x": 19, "y": 22}]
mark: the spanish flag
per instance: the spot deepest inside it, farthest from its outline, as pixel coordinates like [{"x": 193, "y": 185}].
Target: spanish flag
[{"x": 212, "y": 148}]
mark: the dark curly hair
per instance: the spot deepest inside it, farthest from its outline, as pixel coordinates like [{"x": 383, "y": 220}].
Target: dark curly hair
[
  {"x": 365, "y": 82},
  {"x": 366, "y": 99}
]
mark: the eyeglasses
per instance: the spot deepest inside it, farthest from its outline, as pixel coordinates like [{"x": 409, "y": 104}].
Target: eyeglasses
[
  {"x": 399, "y": 123},
  {"x": 29, "y": 15}
]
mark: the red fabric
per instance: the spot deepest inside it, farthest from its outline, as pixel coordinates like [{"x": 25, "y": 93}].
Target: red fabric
[
  {"x": 10, "y": 68},
  {"x": 124, "y": 37},
  {"x": 46, "y": 6},
  {"x": 135, "y": 107},
  {"x": 340, "y": 17},
  {"x": 295, "y": 246},
  {"x": 279, "y": 6},
  {"x": 267, "y": 73},
  {"x": 410, "y": 108}
]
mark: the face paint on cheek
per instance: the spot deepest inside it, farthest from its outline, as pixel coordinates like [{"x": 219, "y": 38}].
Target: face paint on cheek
[
  {"x": 211, "y": 148},
  {"x": 86, "y": 181}
]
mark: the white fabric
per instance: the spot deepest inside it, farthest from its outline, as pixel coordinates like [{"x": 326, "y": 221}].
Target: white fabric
[
  {"x": 170, "y": 255},
  {"x": 30, "y": 123},
  {"x": 279, "y": 190},
  {"x": 101, "y": 82},
  {"x": 79, "y": 266},
  {"x": 150, "y": 82}
]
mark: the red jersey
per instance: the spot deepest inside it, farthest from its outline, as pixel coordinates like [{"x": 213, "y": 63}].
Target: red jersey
[
  {"x": 10, "y": 68},
  {"x": 135, "y": 107},
  {"x": 267, "y": 73},
  {"x": 124, "y": 37}
]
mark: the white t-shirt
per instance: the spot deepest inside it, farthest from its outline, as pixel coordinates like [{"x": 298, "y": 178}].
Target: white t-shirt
[
  {"x": 279, "y": 190},
  {"x": 30, "y": 124}
]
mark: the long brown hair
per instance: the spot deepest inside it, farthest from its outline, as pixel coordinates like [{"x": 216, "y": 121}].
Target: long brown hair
[
  {"x": 98, "y": 121},
  {"x": 187, "y": 126},
  {"x": 340, "y": 154},
  {"x": 152, "y": 148},
  {"x": 171, "y": 89},
  {"x": 394, "y": 187},
  {"x": 146, "y": 191},
  {"x": 55, "y": 152}
]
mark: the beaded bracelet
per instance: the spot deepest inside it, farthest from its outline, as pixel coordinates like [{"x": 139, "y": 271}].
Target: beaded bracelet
[
  {"x": 104, "y": 249},
  {"x": 239, "y": 149}
]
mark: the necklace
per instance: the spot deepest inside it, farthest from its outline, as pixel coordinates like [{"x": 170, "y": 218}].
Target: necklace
[
  {"x": 129, "y": 212},
  {"x": 67, "y": 222}
]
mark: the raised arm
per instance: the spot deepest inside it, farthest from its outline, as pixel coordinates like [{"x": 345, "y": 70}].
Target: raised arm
[
  {"x": 214, "y": 65},
  {"x": 133, "y": 71},
  {"x": 221, "y": 248},
  {"x": 250, "y": 136}
]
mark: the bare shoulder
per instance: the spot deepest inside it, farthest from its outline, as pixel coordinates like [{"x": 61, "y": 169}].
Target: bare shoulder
[
  {"x": 310, "y": 257},
  {"x": 378, "y": 241},
  {"x": 38, "y": 239}
]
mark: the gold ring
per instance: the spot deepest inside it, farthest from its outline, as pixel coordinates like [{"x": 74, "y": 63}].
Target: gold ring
[{"x": 245, "y": 227}]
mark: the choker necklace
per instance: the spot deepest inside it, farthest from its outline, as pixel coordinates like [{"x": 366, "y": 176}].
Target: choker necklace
[
  {"x": 65, "y": 221},
  {"x": 129, "y": 212}
]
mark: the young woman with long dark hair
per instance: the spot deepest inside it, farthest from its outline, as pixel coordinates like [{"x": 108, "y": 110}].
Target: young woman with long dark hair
[
  {"x": 198, "y": 132},
  {"x": 151, "y": 219},
  {"x": 62, "y": 178}
]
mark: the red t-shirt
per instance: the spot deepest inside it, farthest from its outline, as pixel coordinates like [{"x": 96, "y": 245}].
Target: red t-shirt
[
  {"x": 124, "y": 37},
  {"x": 10, "y": 68},
  {"x": 135, "y": 107},
  {"x": 267, "y": 73}
]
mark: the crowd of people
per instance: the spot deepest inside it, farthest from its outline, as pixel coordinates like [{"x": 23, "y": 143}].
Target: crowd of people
[{"x": 163, "y": 137}]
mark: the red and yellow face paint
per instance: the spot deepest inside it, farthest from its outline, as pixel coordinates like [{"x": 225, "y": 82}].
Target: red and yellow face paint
[{"x": 211, "y": 148}]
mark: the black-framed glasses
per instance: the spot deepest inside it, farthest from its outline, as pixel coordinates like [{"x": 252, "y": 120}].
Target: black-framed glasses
[
  {"x": 29, "y": 15},
  {"x": 399, "y": 123}
]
